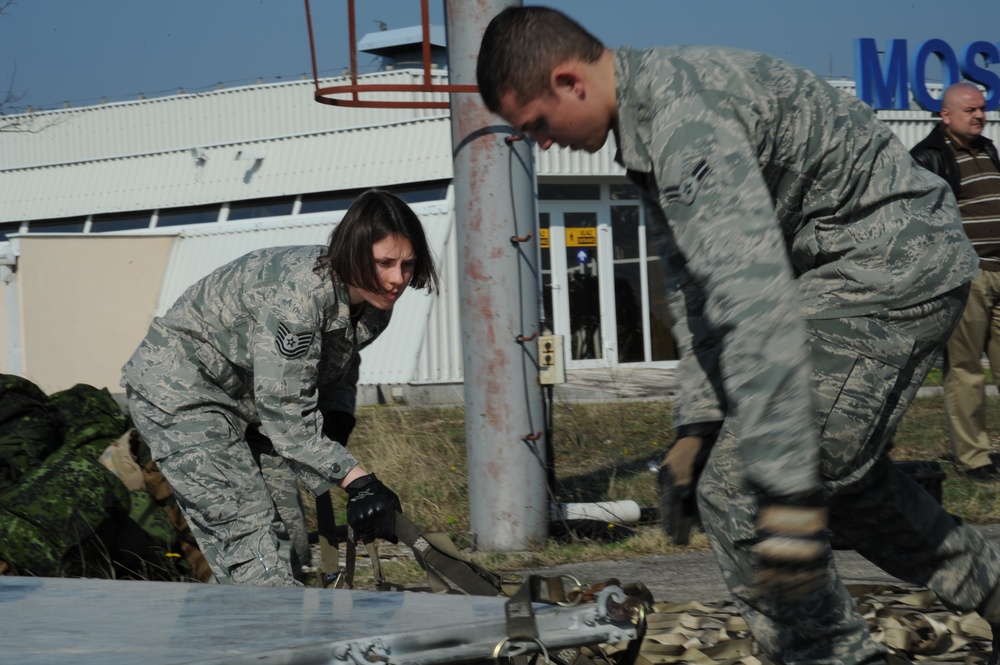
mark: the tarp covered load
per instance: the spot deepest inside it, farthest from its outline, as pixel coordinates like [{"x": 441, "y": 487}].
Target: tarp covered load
[{"x": 74, "y": 500}]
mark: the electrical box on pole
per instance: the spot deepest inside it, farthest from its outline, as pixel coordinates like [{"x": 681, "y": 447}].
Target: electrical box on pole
[{"x": 551, "y": 367}]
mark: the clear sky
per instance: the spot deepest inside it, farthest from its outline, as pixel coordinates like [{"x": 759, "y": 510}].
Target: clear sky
[{"x": 79, "y": 51}]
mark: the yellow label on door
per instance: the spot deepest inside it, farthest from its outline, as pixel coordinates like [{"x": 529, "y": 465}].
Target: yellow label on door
[
  {"x": 581, "y": 237},
  {"x": 543, "y": 238}
]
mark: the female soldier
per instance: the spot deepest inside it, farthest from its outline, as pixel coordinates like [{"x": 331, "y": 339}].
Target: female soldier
[{"x": 261, "y": 357}]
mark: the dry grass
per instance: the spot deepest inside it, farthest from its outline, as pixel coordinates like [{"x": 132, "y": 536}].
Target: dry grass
[
  {"x": 923, "y": 434},
  {"x": 602, "y": 452}
]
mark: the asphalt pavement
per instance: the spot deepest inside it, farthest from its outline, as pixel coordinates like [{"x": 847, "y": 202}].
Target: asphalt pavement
[{"x": 694, "y": 575}]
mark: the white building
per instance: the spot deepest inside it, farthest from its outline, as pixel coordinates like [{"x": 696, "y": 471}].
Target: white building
[{"x": 112, "y": 210}]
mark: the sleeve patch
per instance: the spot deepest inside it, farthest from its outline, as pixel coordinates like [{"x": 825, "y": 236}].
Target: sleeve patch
[
  {"x": 688, "y": 189},
  {"x": 292, "y": 345}
]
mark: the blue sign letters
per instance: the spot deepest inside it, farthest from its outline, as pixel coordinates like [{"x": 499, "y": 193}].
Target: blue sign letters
[{"x": 887, "y": 89}]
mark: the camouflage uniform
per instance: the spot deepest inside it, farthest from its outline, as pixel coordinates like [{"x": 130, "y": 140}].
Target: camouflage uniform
[
  {"x": 815, "y": 272},
  {"x": 265, "y": 343}
]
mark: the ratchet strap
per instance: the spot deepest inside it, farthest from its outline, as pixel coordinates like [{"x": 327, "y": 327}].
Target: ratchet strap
[{"x": 447, "y": 570}]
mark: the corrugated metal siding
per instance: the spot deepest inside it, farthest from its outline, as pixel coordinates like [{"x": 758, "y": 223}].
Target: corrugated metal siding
[
  {"x": 558, "y": 161},
  {"x": 141, "y": 152},
  {"x": 441, "y": 352},
  {"x": 336, "y": 160},
  {"x": 392, "y": 358},
  {"x": 141, "y": 160},
  {"x": 912, "y": 126},
  {"x": 234, "y": 115}
]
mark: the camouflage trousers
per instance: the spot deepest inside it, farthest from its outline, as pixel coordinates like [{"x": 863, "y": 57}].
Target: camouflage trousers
[
  {"x": 866, "y": 372},
  {"x": 204, "y": 455}
]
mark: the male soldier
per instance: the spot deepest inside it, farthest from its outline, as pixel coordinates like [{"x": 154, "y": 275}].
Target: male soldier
[
  {"x": 957, "y": 151},
  {"x": 815, "y": 273}
]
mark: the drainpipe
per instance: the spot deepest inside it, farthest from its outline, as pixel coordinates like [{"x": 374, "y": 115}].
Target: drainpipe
[{"x": 12, "y": 293}]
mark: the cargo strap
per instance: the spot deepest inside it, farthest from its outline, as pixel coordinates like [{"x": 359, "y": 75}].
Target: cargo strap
[
  {"x": 910, "y": 622},
  {"x": 437, "y": 555},
  {"x": 447, "y": 570}
]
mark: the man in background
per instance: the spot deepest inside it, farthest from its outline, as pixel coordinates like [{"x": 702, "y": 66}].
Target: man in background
[{"x": 957, "y": 151}]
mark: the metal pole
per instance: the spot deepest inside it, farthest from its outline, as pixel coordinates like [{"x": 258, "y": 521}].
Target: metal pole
[{"x": 498, "y": 288}]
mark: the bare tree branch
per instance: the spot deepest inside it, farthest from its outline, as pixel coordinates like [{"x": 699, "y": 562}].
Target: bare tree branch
[{"x": 13, "y": 118}]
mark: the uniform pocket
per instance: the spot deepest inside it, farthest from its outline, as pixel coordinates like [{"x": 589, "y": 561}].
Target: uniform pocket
[{"x": 857, "y": 364}]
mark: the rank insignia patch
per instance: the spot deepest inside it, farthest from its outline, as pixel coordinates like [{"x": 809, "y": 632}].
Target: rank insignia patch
[
  {"x": 689, "y": 187},
  {"x": 292, "y": 345}
]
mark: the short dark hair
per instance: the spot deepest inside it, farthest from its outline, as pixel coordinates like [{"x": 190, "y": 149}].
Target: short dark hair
[
  {"x": 374, "y": 216},
  {"x": 521, "y": 47}
]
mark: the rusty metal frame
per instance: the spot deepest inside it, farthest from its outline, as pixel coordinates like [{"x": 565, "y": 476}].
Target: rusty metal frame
[{"x": 355, "y": 89}]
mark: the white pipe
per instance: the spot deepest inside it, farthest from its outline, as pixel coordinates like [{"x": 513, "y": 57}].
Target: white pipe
[{"x": 618, "y": 512}]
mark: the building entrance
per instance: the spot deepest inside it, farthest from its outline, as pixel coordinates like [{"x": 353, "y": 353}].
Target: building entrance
[{"x": 603, "y": 288}]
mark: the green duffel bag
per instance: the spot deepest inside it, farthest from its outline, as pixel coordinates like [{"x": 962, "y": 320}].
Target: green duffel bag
[
  {"x": 91, "y": 418},
  {"x": 29, "y": 431},
  {"x": 63, "y": 518}
]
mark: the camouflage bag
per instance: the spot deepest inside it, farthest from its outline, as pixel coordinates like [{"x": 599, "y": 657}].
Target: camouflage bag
[
  {"x": 62, "y": 517},
  {"x": 148, "y": 546},
  {"x": 78, "y": 502},
  {"x": 29, "y": 431}
]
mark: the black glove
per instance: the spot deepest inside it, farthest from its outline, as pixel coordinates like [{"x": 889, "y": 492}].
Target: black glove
[
  {"x": 678, "y": 479},
  {"x": 372, "y": 508},
  {"x": 792, "y": 549}
]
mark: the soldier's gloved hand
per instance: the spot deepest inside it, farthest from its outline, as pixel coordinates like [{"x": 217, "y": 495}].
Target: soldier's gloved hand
[
  {"x": 792, "y": 549},
  {"x": 678, "y": 478},
  {"x": 372, "y": 508}
]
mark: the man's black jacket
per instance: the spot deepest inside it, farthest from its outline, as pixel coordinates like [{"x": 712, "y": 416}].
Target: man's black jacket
[{"x": 934, "y": 155}]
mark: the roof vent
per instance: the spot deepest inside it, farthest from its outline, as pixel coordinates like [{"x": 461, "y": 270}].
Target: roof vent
[{"x": 402, "y": 48}]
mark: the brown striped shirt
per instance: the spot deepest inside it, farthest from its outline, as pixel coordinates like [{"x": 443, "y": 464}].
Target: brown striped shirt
[{"x": 979, "y": 201}]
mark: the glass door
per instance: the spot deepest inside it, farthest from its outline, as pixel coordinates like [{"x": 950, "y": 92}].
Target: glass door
[
  {"x": 602, "y": 285},
  {"x": 642, "y": 320},
  {"x": 574, "y": 301}
]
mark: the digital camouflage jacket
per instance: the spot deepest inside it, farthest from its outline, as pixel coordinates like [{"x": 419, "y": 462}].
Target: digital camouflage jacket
[
  {"x": 266, "y": 338},
  {"x": 781, "y": 199}
]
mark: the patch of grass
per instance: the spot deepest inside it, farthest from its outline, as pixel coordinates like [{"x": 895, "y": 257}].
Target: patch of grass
[
  {"x": 935, "y": 377},
  {"x": 603, "y": 452},
  {"x": 923, "y": 435}
]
